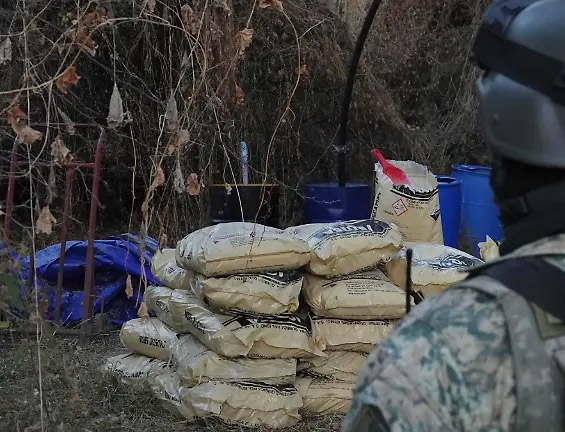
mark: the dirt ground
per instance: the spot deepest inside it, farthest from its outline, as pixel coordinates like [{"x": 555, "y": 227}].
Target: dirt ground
[{"x": 77, "y": 397}]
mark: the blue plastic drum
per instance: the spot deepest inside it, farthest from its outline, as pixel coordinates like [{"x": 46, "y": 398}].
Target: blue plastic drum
[
  {"x": 327, "y": 202},
  {"x": 479, "y": 213},
  {"x": 449, "y": 190}
]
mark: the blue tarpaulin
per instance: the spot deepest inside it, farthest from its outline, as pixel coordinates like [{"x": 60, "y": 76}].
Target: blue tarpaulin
[{"x": 114, "y": 259}]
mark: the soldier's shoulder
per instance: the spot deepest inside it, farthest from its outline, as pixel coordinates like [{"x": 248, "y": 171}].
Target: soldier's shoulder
[
  {"x": 450, "y": 354},
  {"x": 456, "y": 326},
  {"x": 458, "y": 306}
]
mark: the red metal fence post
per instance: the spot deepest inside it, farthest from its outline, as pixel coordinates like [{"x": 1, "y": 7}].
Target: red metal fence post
[
  {"x": 70, "y": 170},
  {"x": 87, "y": 300}
]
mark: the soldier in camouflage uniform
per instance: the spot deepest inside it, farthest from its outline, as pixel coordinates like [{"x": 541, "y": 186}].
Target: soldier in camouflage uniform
[{"x": 489, "y": 353}]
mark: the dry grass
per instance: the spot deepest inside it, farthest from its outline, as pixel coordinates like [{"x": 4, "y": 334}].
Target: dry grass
[{"x": 79, "y": 398}]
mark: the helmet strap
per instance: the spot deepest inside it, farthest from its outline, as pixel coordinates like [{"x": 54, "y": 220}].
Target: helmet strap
[{"x": 540, "y": 213}]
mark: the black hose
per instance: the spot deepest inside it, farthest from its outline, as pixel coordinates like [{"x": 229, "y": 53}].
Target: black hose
[{"x": 342, "y": 141}]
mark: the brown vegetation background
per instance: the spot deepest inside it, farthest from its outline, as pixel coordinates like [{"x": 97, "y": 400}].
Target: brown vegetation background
[{"x": 197, "y": 77}]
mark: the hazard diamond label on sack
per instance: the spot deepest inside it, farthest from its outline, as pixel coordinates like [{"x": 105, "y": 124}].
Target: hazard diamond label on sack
[{"x": 399, "y": 207}]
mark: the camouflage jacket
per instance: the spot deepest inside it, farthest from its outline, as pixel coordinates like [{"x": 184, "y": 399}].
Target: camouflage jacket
[{"x": 446, "y": 367}]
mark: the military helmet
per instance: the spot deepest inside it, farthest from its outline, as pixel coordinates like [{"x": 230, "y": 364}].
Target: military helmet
[{"x": 521, "y": 48}]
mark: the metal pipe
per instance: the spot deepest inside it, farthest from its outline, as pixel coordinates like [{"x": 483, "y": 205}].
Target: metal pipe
[
  {"x": 11, "y": 191},
  {"x": 64, "y": 234},
  {"x": 342, "y": 141},
  {"x": 409, "y": 254},
  {"x": 89, "y": 273}
]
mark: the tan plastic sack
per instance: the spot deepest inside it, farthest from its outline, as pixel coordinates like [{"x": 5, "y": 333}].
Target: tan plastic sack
[
  {"x": 413, "y": 208},
  {"x": 278, "y": 336},
  {"x": 240, "y": 247},
  {"x": 132, "y": 369},
  {"x": 157, "y": 299},
  {"x": 266, "y": 293},
  {"x": 341, "y": 248},
  {"x": 166, "y": 387},
  {"x": 337, "y": 366},
  {"x": 350, "y": 335},
  {"x": 196, "y": 363},
  {"x": 324, "y": 396},
  {"x": 245, "y": 404},
  {"x": 147, "y": 336},
  {"x": 434, "y": 267},
  {"x": 369, "y": 295},
  {"x": 164, "y": 267},
  {"x": 489, "y": 249}
]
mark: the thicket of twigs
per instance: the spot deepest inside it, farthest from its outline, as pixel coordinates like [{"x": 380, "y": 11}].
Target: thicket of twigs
[{"x": 177, "y": 84}]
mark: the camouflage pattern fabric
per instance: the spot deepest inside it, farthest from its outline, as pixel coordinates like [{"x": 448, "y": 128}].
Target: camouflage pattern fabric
[{"x": 447, "y": 367}]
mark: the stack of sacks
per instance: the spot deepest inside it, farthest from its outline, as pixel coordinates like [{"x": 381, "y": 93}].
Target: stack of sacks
[
  {"x": 434, "y": 267},
  {"x": 160, "y": 376},
  {"x": 237, "y": 390},
  {"x": 149, "y": 337},
  {"x": 148, "y": 362},
  {"x": 231, "y": 296},
  {"x": 353, "y": 305},
  {"x": 165, "y": 269}
]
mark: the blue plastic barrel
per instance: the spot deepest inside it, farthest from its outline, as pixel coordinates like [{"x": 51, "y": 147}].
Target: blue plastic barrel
[
  {"x": 449, "y": 190},
  {"x": 327, "y": 202},
  {"x": 479, "y": 213}
]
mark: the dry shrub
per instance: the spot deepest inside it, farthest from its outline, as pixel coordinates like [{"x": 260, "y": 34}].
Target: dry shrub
[{"x": 414, "y": 98}]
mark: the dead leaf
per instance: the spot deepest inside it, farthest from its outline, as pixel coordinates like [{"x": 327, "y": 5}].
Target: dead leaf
[
  {"x": 15, "y": 114},
  {"x": 223, "y": 4},
  {"x": 228, "y": 188},
  {"x": 172, "y": 113},
  {"x": 243, "y": 39},
  {"x": 6, "y": 51},
  {"x": 60, "y": 152},
  {"x": 116, "y": 109},
  {"x": 43, "y": 307},
  {"x": 271, "y": 4},
  {"x": 18, "y": 120},
  {"x": 190, "y": 20},
  {"x": 185, "y": 60},
  {"x": 303, "y": 72},
  {"x": 178, "y": 179},
  {"x": 193, "y": 185},
  {"x": 183, "y": 138},
  {"x": 68, "y": 122},
  {"x": 95, "y": 18},
  {"x": 81, "y": 35},
  {"x": 159, "y": 179},
  {"x": 28, "y": 135},
  {"x": 163, "y": 241},
  {"x": 151, "y": 6},
  {"x": 142, "y": 312},
  {"x": 239, "y": 95},
  {"x": 67, "y": 79},
  {"x": 45, "y": 221},
  {"x": 129, "y": 287},
  {"x": 177, "y": 143}
]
